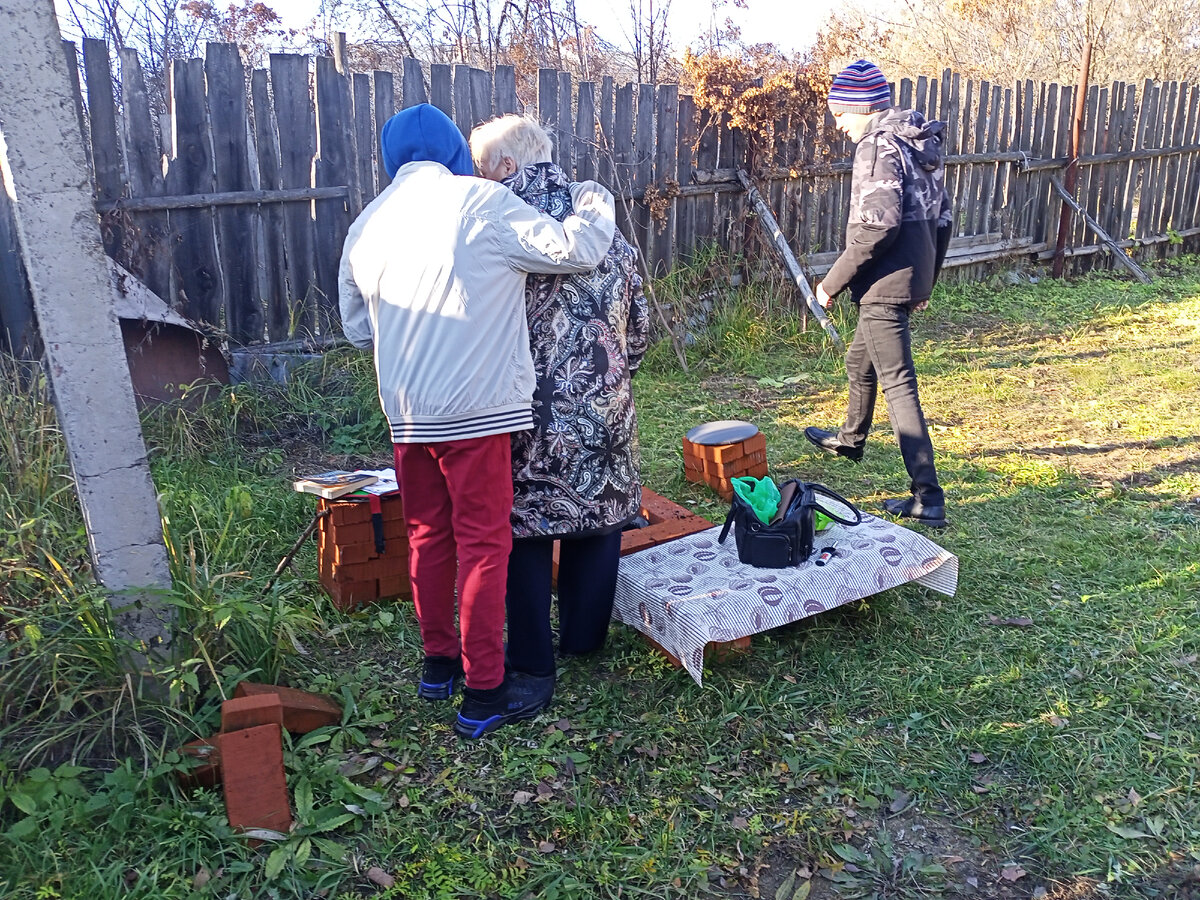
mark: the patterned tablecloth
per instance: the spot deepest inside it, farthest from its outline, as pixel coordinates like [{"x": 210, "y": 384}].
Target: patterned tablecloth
[{"x": 690, "y": 591}]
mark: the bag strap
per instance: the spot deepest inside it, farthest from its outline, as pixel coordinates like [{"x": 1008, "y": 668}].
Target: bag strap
[
  {"x": 833, "y": 495},
  {"x": 728, "y": 522}
]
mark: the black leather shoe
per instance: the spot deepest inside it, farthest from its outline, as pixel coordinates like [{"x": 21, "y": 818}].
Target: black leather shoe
[
  {"x": 912, "y": 508},
  {"x": 828, "y": 441}
]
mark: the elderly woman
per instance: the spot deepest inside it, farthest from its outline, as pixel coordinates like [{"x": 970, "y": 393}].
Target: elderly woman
[{"x": 576, "y": 474}]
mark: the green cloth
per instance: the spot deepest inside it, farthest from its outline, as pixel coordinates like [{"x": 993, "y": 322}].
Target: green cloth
[{"x": 760, "y": 493}]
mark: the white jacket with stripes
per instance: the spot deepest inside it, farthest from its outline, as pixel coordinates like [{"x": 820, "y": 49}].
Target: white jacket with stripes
[{"x": 433, "y": 277}]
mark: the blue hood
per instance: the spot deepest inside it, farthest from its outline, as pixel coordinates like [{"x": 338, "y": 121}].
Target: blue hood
[{"x": 424, "y": 133}]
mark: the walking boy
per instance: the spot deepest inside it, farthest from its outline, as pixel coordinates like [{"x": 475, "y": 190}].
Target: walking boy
[{"x": 896, "y": 238}]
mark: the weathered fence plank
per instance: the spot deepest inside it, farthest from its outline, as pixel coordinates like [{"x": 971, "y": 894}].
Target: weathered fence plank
[
  {"x": 412, "y": 84},
  {"x": 547, "y": 107},
  {"x": 296, "y": 120},
  {"x": 564, "y": 128},
  {"x": 385, "y": 108},
  {"x": 150, "y": 252},
  {"x": 334, "y": 166},
  {"x": 685, "y": 234},
  {"x": 195, "y": 259},
  {"x": 481, "y": 97},
  {"x": 441, "y": 89},
  {"x": 585, "y": 132},
  {"x": 226, "y": 78},
  {"x": 364, "y": 136},
  {"x": 666, "y": 162},
  {"x": 106, "y": 148},
  {"x": 504, "y": 84},
  {"x": 271, "y": 257}
]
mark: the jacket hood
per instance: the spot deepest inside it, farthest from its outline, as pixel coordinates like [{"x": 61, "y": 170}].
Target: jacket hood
[
  {"x": 924, "y": 138},
  {"x": 423, "y": 133}
]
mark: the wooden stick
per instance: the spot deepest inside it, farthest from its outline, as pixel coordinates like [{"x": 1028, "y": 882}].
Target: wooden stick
[
  {"x": 767, "y": 220},
  {"x": 1120, "y": 254},
  {"x": 283, "y": 563}
]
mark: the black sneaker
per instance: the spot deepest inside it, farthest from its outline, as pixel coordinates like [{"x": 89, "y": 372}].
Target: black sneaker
[
  {"x": 828, "y": 441},
  {"x": 520, "y": 696},
  {"x": 439, "y": 677}
]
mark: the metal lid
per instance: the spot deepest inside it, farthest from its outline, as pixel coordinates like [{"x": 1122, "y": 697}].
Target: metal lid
[{"x": 727, "y": 431}]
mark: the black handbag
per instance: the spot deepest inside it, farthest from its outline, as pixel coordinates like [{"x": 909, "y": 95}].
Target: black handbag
[{"x": 787, "y": 540}]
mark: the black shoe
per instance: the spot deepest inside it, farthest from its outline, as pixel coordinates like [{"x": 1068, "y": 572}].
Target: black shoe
[
  {"x": 439, "y": 677},
  {"x": 520, "y": 696},
  {"x": 828, "y": 441},
  {"x": 912, "y": 508}
]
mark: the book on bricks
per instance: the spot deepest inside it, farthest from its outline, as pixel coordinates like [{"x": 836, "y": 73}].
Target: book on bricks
[{"x": 332, "y": 485}]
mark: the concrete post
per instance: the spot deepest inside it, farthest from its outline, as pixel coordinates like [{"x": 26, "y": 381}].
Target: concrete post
[{"x": 46, "y": 172}]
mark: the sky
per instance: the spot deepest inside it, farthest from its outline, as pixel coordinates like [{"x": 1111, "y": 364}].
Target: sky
[{"x": 790, "y": 24}]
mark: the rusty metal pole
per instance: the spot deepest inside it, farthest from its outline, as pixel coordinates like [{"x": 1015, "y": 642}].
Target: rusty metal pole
[{"x": 1071, "y": 176}]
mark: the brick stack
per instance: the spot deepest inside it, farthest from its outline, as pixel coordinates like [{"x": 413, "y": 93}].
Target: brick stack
[
  {"x": 350, "y": 569},
  {"x": 667, "y": 521},
  {"x": 246, "y": 758},
  {"x": 716, "y": 464}
]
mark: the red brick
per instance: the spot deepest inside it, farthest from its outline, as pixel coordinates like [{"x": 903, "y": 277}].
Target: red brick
[
  {"x": 755, "y": 444},
  {"x": 207, "y": 775},
  {"x": 657, "y": 508},
  {"x": 302, "y": 711},
  {"x": 395, "y": 586},
  {"x": 347, "y": 596},
  {"x": 694, "y": 475},
  {"x": 636, "y": 539},
  {"x": 380, "y": 567},
  {"x": 248, "y": 712},
  {"x": 255, "y": 787},
  {"x": 363, "y": 533},
  {"x": 717, "y": 651}
]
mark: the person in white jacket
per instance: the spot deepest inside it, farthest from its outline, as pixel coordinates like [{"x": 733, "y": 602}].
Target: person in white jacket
[{"x": 432, "y": 277}]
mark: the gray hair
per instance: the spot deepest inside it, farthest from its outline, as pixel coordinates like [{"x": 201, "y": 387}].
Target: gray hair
[{"x": 521, "y": 138}]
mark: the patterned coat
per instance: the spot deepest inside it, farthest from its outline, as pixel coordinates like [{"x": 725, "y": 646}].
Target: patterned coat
[
  {"x": 577, "y": 472},
  {"x": 900, "y": 216}
]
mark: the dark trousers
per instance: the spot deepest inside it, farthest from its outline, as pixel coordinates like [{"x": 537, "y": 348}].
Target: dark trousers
[
  {"x": 880, "y": 356},
  {"x": 587, "y": 582}
]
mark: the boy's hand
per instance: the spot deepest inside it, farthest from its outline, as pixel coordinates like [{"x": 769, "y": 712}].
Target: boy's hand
[
  {"x": 823, "y": 298},
  {"x": 918, "y": 307}
]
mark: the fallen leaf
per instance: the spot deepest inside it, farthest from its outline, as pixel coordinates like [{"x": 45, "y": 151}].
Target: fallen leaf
[
  {"x": 952, "y": 860},
  {"x": 973, "y": 881},
  {"x": 977, "y": 757},
  {"x": 522, "y": 863},
  {"x": 1056, "y": 721},
  {"x": 563, "y": 725},
  {"x": 787, "y": 888},
  {"x": 740, "y": 823},
  {"x": 568, "y": 766},
  {"x": 790, "y": 679},
  {"x": 380, "y": 877},
  {"x": 544, "y": 790},
  {"x": 545, "y": 846},
  {"x": 979, "y": 788},
  {"x": 520, "y": 798},
  {"x": 404, "y": 801},
  {"x": 202, "y": 878},
  {"x": 1012, "y": 872},
  {"x": 1189, "y": 660},
  {"x": 900, "y": 803},
  {"x": 1134, "y": 797},
  {"x": 1154, "y": 735}
]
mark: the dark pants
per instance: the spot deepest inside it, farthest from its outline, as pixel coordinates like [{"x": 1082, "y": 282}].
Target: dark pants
[
  {"x": 881, "y": 357},
  {"x": 587, "y": 582}
]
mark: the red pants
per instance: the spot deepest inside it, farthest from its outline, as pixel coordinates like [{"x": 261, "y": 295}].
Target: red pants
[{"x": 457, "y": 498}]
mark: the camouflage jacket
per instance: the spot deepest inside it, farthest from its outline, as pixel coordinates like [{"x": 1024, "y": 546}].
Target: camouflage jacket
[{"x": 900, "y": 217}]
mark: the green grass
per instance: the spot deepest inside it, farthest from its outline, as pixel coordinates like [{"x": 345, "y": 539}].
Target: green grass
[{"x": 895, "y": 749}]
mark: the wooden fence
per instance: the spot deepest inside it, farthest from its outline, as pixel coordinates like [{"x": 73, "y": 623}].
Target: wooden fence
[{"x": 236, "y": 208}]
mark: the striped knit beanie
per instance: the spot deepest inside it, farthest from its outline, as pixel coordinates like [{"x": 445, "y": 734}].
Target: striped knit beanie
[{"x": 859, "y": 88}]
